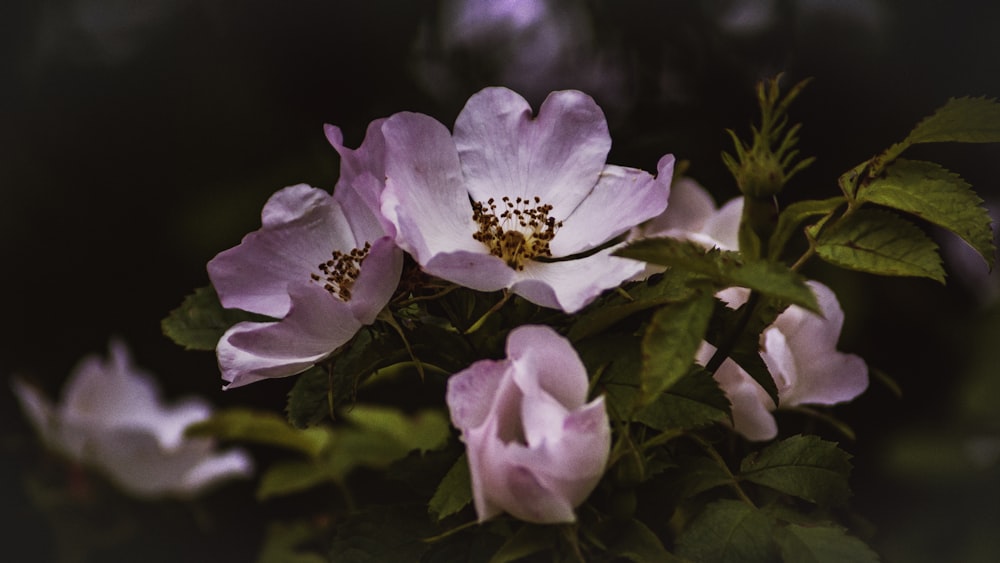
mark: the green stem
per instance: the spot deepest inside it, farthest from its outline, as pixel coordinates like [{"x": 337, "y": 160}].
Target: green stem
[
  {"x": 482, "y": 320},
  {"x": 734, "y": 485}
]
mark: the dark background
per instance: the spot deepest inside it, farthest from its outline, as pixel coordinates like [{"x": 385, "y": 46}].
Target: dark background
[{"x": 137, "y": 139}]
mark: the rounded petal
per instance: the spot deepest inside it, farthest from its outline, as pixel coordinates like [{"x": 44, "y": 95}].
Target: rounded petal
[
  {"x": 37, "y": 408},
  {"x": 572, "y": 284},
  {"x": 109, "y": 393},
  {"x": 377, "y": 281},
  {"x": 362, "y": 178},
  {"x": 525, "y": 497},
  {"x": 317, "y": 324},
  {"x": 557, "y": 155},
  {"x": 622, "y": 198},
  {"x": 425, "y": 197},
  {"x": 546, "y": 362},
  {"x": 689, "y": 206},
  {"x": 724, "y": 226},
  {"x": 751, "y": 406},
  {"x": 475, "y": 270},
  {"x": 471, "y": 392},
  {"x": 801, "y": 351},
  {"x": 219, "y": 467},
  {"x": 254, "y": 276}
]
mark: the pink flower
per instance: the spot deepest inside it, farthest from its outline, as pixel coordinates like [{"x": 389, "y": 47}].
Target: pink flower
[
  {"x": 536, "y": 449},
  {"x": 486, "y": 206},
  {"x": 800, "y": 350},
  {"x": 324, "y": 265},
  {"x": 691, "y": 214},
  {"x": 111, "y": 418}
]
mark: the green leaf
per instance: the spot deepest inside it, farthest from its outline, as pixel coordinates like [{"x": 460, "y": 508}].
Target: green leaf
[
  {"x": 693, "y": 402},
  {"x": 725, "y": 268},
  {"x": 671, "y": 286},
  {"x": 930, "y": 192},
  {"x": 879, "y": 242},
  {"x": 200, "y": 320},
  {"x": 631, "y": 540},
  {"x": 728, "y": 531},
  {"x": 261, "y": 427},
  {"x": 802, "y": 466},
  {"x": 424, "y": 430},
  {"x": 670, "y": 342},
  {"x": 697, "y": 474},
  {"x": 309, "y": 400},
  {"x": 793, "y": 216},
  {"x": 455, "y": 491},
  {"x": 963, "y": 120},
  {"x": 822, "y": 544},
  {"x": 289, "y": 477},
  {"x": 616, "y": 360}
]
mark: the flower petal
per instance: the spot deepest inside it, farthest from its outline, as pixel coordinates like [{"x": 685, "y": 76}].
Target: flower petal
[
  {"x": 377, "y": 280},
  {"x": 724, "y": 226},
  {"x": 317, "y": 324},
  {"x": 545, "y": 361},
  {"x": 557, "y": 156},
  {"x": 471, "y": 392},
  {"x": 622, "y": 198},
  {"x": 475, "y": 270},
  {"x": 362, "y": 178},
  {"x": 689, "y": 206},
  {"x": 751, "y": 406},
  {"x": 254, "y": 275},
  {"x": 425, "y": 196},
  {"x": 572, "y": 284}
]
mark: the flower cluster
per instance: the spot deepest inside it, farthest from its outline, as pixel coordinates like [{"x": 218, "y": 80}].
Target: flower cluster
[
  {"x": 799, "y": 348},
  {"x": 112, "y": 419},
  {"x": 498, "y": 205}
]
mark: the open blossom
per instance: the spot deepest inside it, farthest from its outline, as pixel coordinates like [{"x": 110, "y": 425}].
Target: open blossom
[
  {"x": 324, "y": 265},
  {"x": 487, "y": 206},
  {"x": 111, "y": 418},
  {"x": 800, "y": 351},
  {"x": 536, "y": 448}
]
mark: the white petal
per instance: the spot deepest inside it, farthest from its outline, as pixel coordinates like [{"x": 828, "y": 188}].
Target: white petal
[
  {"x": 317, "y": 324},
  {"x": 622, "y": 198},
  {"x": 557, "y": 156},
  {"x": 572, "y": 284},
  {"x": 425, "y": 196},
  {"x": 377, "y": 281},
  {"x": 546, "y": 362}
]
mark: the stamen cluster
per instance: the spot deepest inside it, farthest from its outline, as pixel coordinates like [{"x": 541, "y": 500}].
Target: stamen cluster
[
  {"x": 515, "y": 232},
  {"x": 339, "y": 273}
]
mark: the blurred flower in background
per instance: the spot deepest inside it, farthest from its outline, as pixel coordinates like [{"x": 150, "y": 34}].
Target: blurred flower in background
[
  {"x": 531, "y": 46},
  {"x": 112, "y": 419}
]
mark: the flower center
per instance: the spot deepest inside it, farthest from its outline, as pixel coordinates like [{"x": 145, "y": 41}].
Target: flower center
[
  {"x": 338, "y": 274},
  {"x": 515, "y": 230}
]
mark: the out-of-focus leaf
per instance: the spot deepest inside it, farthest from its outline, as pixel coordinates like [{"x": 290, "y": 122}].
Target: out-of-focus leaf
[
  {"x": 289, "y": 477},
  {"x": 283, "y": 540},
  {"x": 308, "y": 401},
  {"x": 262, "y": 427}
]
